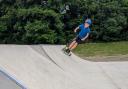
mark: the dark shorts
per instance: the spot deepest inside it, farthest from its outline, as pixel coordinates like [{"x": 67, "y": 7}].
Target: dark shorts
[{"x": 78, "y": 40}]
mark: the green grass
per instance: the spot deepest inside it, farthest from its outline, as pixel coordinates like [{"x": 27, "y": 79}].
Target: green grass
[{"x": 102, "y": 49}]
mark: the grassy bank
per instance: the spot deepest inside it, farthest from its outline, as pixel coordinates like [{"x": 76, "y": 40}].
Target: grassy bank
[{"x": 102, "y": 49}]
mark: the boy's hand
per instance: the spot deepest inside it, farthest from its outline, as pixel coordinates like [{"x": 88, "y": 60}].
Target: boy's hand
[
  {"x": 83, "y": 39},
  {"x": 76, "y": 29}
]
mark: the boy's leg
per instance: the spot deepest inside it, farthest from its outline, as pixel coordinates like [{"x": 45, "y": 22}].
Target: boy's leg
[
  {"x": 74, "y": 46},
  {"x": 75, "y": 43}
]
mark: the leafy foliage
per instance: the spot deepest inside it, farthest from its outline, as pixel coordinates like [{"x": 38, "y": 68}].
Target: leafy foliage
[{"x": 53, "y": 21}]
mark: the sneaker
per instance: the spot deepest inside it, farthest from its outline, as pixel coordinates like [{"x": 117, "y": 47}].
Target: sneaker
[{"x": 68, "y": 50}]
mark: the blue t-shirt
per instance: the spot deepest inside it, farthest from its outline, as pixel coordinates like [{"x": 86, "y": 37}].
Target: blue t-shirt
[{"x": 83, "y": 31}]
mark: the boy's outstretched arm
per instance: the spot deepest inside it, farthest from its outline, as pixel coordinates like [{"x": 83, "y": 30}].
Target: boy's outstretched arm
[
  {"x": 85, "y": 37},
  {"x": 75, "y": 30}
]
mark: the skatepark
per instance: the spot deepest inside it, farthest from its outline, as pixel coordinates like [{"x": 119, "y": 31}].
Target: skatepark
[{"x": 47, "y": 67}]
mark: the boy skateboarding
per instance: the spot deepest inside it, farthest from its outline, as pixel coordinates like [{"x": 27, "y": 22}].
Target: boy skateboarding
[{"x": 82, "y": 36}]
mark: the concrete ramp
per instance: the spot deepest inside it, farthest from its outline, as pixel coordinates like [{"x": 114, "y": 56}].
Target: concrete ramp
[
  {"x": 7, "y": 82},
  {"x": 46, "y": 67}
]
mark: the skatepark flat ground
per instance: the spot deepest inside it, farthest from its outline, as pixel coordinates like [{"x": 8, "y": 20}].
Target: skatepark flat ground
[{"x": 47, "y": 67}]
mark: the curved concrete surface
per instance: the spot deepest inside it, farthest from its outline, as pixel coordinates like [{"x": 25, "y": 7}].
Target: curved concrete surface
[
  {"x": 6, "y": 82},
  {"x": 46, "y": 67}
]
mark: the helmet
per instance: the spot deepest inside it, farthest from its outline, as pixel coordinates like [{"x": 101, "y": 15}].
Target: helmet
[{"x": 88, "y": 21}]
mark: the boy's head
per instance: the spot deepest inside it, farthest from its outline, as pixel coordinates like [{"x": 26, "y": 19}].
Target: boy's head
[{"x": 87, "y": 23}]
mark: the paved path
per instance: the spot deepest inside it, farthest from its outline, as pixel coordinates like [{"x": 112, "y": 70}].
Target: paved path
[{"x": 46, "y": 67}]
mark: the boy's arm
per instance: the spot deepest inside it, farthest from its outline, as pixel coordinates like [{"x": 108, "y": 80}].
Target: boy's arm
[
  {"x": 85, "y": 37},
  {"x": 75, "y": 30}
]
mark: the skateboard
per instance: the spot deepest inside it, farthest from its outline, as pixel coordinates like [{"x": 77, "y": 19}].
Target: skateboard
[{"x": 65, "y": 52}]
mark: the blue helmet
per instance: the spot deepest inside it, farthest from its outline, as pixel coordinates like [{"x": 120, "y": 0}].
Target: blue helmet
[{"x": 88, "y": 21}]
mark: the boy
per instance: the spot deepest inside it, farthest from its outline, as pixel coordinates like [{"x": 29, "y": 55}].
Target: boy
[{"x": 82, "y": 35}]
